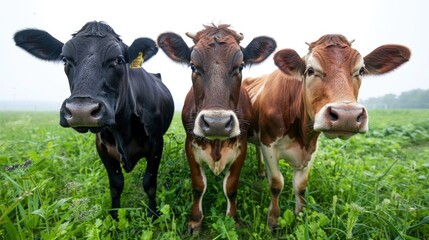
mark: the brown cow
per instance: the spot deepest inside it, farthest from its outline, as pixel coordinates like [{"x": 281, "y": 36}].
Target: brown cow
[
  {"x": 217, "y": 110},
  {"x": 307, "y": 96}
]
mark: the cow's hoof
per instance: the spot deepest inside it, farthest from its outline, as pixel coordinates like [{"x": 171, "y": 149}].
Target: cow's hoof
[
  {"x": 194, "y": 228},
  {"x": 272, "y": 222}
]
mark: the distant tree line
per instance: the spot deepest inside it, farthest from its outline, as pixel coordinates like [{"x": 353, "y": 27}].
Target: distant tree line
[{"x": 417, "y": 98}]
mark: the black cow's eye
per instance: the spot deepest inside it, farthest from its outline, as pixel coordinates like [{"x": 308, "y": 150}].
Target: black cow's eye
[
  {"x": 64, "y": 59},
  {"x": 361, "y": 71},
  {"x": 310, "y": 71},
  {"x": 119, "y": 60}
]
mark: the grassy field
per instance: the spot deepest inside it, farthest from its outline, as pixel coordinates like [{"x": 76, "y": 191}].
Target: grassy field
[{"x": 372, "y": 186}]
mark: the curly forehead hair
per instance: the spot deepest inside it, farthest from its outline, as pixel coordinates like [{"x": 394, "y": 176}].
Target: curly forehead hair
[
  {"x": 331, "y": 40},
  {"x": 217, "y": 31}
]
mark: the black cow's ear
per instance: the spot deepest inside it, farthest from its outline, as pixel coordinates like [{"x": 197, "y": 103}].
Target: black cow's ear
[
  {"x": 289, "y": 62},
  {"x": 144, "y": 45},
  {"x": 39, "y": 43},
  {"x": 259, "y": 49},
  {"x": 175, "y": 47}
]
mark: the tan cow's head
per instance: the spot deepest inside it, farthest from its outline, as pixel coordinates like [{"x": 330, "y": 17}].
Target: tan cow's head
[{"x": 332, "y": 72}]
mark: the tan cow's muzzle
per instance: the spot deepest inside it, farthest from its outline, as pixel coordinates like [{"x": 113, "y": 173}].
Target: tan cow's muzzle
[{"x": 341, "y": 119}]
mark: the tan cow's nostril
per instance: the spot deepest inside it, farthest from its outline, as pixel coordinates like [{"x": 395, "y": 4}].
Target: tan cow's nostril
[
  {"x": 360, "y": 116},
  {"x": 332, "y": 114}
]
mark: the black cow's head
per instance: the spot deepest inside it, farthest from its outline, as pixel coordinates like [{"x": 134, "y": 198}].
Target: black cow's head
[
  {"x": 95, "y": 62},
  {"x": 216, "y": 60}
]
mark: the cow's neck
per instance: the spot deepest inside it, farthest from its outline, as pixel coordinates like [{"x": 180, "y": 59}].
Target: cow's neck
[{"x": 303, "y": 123}]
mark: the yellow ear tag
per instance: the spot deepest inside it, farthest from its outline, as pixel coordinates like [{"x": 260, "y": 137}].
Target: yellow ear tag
[{"x": 138, "y": 61}]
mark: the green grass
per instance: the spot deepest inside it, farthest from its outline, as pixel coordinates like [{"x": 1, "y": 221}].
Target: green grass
[{"x": 372, "y": 186}]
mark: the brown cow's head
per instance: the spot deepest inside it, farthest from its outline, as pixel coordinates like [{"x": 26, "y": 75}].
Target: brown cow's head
[
  {"x": 216, "y": 60},
  {"x": 332, "y": 72}
]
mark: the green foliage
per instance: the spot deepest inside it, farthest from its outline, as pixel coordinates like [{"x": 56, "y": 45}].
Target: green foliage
[{"x": 372, "y": 186}]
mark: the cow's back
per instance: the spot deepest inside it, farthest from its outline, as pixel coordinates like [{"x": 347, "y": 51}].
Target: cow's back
[
  {"x": 276, "y": 103},
  {"x": 153, "y": 101}
]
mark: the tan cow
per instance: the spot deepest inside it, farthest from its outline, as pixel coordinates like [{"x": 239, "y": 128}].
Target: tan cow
[{"x": 307, "y": 96}]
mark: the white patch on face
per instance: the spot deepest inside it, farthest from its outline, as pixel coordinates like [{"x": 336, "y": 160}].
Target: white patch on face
[
  {"x": 359, "y": 64},
  {"x": 311, "y": 61},
  {"x": 235, "y": 131}
]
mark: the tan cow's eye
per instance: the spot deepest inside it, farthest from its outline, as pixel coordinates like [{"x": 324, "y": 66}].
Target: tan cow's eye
[
  {"x": 310, "y": 71},
  {"x": 361, "y": 71}
]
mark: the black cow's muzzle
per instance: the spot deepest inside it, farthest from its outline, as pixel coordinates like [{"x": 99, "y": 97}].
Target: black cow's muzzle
[{"x": 85, "y": 114}]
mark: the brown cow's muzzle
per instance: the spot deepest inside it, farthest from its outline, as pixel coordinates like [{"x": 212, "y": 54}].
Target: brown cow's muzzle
[
  {"x": 342, "y": 119},
  {"x": 83, "y": 114},
  {"x": 216, "y": 124}
]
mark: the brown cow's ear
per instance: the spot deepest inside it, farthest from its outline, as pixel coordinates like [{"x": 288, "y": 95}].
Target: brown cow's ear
[
  {"x": 386, "y": 58},
  {"x": 175, "y": 47},
  {"x": 258, "y": 50},
  {"x": 289, "y": 62}
]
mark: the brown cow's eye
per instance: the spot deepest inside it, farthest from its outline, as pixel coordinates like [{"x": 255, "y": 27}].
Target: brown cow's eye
[
  {"x": 241, "y": 67},
  {"x": 193, "y": 67},
  {"x": 310, "y": 71},
  {"x": 361, "y": 71}
]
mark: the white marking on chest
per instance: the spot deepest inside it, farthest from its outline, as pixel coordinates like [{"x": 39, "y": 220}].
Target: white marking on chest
[
  {"x": 289, "y": 150},
  {"x": 228, "y": 153}
]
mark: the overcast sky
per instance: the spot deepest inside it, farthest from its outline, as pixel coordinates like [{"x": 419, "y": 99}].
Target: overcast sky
[{"x": 291, "y": 23}]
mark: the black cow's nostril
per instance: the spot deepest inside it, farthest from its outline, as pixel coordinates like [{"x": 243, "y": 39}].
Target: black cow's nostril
[
  {"x": 67, "y": 113},
  {"x": 96, "y": 111},
  {"x": 333, "y": 116}
]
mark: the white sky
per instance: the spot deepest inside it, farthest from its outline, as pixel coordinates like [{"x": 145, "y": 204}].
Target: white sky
[{"x": 291, "y": 23}]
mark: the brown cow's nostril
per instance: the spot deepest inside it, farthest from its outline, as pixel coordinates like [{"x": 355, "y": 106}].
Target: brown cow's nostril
[
  {"x": 205, "y": 125},
  {"x": 333, "y": 116},
  {"x": 230, "y": 123}
]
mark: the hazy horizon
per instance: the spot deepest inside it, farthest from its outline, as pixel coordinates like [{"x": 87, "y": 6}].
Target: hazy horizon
[{"x": 28, "y": 105}]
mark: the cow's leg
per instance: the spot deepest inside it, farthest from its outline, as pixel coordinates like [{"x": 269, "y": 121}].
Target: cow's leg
[
  {"x": 230, "y": 183},
  {"x": 299, "y": 182},
  {"x": 151, "y": 175},
  {"x": 114, "y": 172},
  {"x": 199, "y": 186},
  {"x": 261, "y": 171},
  {"x": 275, "y": 181}
]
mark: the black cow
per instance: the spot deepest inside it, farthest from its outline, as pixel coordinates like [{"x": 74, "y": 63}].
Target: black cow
[{"x": 128, "y": 108}]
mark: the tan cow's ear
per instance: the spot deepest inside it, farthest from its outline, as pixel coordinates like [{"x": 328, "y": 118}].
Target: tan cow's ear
[
  {"x": 289, "y": 62},
  {"x": 386, "y": 58}
]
